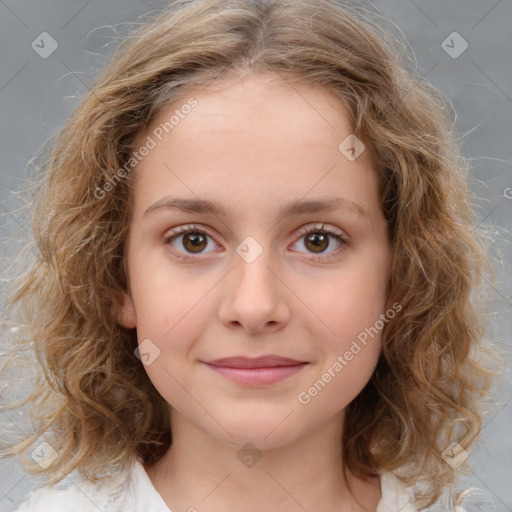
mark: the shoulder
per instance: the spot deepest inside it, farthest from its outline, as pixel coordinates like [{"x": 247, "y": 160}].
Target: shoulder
[
  {"x": 56, "y": 500},
  {"x": 111, "y": 495},
  {"x": 129, "y": 491},
  {"x": 395, "y": 496}
]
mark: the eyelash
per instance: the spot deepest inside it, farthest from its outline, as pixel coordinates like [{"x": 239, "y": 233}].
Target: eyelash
[{"x": 183, "y": 230}]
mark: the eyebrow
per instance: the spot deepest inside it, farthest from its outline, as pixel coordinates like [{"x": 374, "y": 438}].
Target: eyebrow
[{"x": 328, "y": 204}]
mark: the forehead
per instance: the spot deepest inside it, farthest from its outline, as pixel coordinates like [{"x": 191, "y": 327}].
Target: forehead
[
  {"x": 261, "y": 139},
  {"x": 263, "y": 100}
]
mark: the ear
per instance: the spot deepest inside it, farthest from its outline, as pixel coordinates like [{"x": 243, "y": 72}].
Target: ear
[{"x": 124, "y": 310}]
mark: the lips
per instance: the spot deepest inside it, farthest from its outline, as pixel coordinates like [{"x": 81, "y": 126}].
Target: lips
[
  {"x": 257, "y": 371},
  {"x": 255, "y": 362}
]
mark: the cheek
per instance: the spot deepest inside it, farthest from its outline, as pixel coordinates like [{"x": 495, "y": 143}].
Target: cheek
[
  {"x": 173, "y": 321},
  {"x": 351, "y": 305},
  {"x": 340, "y": 381},
  {"x": 347, "y": 302},
  {"x": 171, "y": 312},
  {"x": 163, "y": 293},
  {"x": 171, "y": 308}
]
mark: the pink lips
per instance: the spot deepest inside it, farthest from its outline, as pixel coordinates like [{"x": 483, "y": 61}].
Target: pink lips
[{"x": 256, "y": 371}]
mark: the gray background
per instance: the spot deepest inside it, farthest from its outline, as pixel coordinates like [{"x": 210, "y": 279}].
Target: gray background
[{"x": 37, "y": 94}]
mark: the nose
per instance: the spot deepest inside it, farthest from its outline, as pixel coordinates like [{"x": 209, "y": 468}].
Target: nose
[{"x": 254, "y": 297}]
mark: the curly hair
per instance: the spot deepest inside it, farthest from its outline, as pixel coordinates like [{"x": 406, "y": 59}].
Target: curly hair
[{"x": 93, "y": 394}]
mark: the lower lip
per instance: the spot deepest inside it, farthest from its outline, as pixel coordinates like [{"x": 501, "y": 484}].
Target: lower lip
[{"x": 257, "y": 376}]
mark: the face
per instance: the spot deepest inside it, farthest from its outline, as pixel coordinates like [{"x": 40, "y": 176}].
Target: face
[{"x": 251, "y": 309}]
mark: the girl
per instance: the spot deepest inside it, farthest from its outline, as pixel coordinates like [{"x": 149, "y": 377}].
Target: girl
[{"x": 254, "y": 264}]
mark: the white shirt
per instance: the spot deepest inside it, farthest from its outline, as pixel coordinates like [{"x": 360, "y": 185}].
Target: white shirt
[{"x": 135, "y": 492}]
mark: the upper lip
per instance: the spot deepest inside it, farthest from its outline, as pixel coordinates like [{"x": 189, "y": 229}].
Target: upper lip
[{"x": 255, "y": 362}]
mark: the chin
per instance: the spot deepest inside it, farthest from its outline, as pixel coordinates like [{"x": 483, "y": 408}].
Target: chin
[
  {"x": 265, "y": 431},
  {"x": 257, "y": 438}
]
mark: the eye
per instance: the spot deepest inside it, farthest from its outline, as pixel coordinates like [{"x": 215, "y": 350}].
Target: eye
[
  {"x": 188, "y": 241},
  {"x": 316, "y": 239},
  {"x": 193, "y": 240}
]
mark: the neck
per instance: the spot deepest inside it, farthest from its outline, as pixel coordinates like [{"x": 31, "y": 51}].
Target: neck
[{"x": 199, "y": 472}]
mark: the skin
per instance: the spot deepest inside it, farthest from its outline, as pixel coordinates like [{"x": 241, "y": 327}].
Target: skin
[{"x": 254, "y": 146}]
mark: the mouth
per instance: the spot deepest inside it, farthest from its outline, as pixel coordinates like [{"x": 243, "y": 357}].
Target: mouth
[
  {"x": 256, "y": 371},
  {"x": 270, "y": 361}
]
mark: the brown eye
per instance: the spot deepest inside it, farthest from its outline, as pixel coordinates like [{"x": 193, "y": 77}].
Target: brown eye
[
  {"x": 317, "y": 239},
  {"x": 194, "y": 242},
  {"x": 317, "y": 242},
  {"x": 188, "y": 241}
]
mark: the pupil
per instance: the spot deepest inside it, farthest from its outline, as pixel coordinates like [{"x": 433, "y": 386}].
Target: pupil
[
  {"x": 320, "y": 242},
  {"x": 194, "y": 241}
]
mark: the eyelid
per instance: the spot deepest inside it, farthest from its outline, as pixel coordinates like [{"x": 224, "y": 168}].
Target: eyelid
[
  {"x": 186, "y": 228},
  {"x": 321, "y": 226}
]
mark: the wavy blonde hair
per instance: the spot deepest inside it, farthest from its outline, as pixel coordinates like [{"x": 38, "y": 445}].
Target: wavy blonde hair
[{"x": 92, "y": 397}]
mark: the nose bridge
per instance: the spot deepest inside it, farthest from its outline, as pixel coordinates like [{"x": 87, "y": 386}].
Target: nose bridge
[
  {"x": 250, "y": 250},
  {"x": 253, "y": 298},
  {"x": 252, "y": 263}
]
